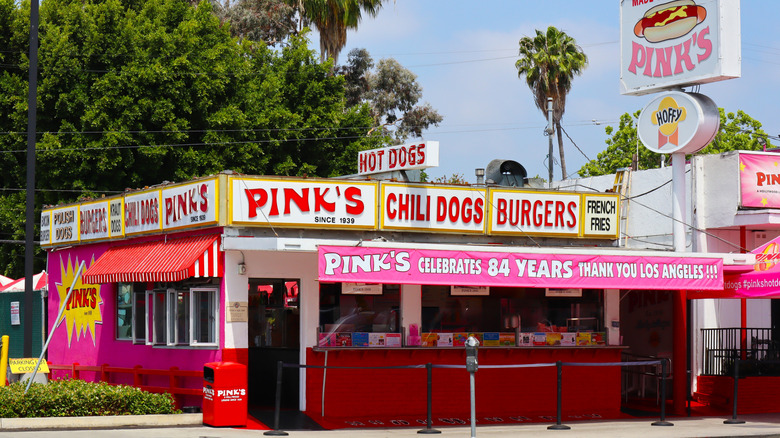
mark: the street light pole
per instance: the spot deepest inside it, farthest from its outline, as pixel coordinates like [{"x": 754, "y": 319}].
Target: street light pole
[{"x": 29, "y": 229}]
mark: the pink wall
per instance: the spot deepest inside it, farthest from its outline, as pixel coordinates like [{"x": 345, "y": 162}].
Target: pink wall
[{"x": 92, "y": 322}]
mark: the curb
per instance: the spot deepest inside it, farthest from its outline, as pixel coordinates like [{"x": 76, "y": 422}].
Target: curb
[{"x": 97, "y": 422}]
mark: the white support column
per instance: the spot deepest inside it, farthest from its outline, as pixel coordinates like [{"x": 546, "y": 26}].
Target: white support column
[
  {"x": 679, "y": 201},
  {"x": 612, "y": 313},
  {"x": 411, "y": 306}
]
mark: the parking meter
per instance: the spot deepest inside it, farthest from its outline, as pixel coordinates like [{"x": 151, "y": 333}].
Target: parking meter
[{"x": 471, "y": 354}]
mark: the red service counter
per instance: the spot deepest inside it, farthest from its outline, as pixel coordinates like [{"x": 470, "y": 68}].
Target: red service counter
[{"x": 518, "y": 391}]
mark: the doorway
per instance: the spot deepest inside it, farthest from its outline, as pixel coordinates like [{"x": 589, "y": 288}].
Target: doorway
[{"x": 274, "y": 335}]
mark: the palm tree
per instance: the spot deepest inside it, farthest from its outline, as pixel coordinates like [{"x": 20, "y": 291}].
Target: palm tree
[
  {"x": 549, "y": 61},
  {"x": 332, "y": 18}
]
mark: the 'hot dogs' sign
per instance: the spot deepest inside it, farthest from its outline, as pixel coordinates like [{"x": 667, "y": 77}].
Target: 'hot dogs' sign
[
  {"x": 676, "y": 43},
  {"x": 405, "y": 157}
]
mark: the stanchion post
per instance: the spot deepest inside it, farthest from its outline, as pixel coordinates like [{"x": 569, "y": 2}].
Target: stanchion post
[
  {"x": 276, "y": 431},
  {"x": 733, "y": 419},
  {"x": 428, "y": 429},
  {"x": 662, "y": 421},
  {"x": 559, "y": 407}
]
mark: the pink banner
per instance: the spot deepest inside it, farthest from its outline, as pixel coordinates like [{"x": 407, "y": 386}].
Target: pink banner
[
  {"x": 763, "y": 281},
  {"x": 482, "y": 268},
  {"x": 759, "y": 180}
]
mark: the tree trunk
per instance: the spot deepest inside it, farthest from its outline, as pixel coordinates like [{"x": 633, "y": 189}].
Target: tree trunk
[{"x": 564, "y": 174}]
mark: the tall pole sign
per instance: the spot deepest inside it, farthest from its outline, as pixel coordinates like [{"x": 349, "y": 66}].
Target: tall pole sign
[
  {"x": 667, "y": 46},
  {"x": 678, "y": 123},
  {"x": 677, "y": 43}
]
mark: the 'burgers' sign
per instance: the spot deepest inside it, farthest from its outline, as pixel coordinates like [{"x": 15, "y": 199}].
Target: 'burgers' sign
[{"x": 677, "y": 43}]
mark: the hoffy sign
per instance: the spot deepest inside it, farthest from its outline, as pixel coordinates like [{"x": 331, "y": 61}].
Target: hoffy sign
[{"x": 678, "y": 122}]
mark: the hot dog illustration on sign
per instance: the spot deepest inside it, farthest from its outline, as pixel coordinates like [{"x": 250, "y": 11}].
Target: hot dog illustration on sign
[
  {"x": 668, "y": 116},
  {"x": 669, "y": 20}
]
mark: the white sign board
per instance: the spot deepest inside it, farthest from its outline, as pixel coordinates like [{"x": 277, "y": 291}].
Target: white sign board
[
  {"x": 64, "y": 225},
  {"x": 189, "y": 205},
  {"x": 15, "y": 313},
  {"x": 413, "y": 207},
  {"x": 93, "y": 220},
  {"x": 534, "y": 213},
  {"x": 678, "y": 43},
  {"x": 361, "y": 288},
  {"x": 404, "y": 157},
  {"x": 465, "y": 291},
  {"x": 323, "y": 204},
  {"x": 142, "y": 212}
]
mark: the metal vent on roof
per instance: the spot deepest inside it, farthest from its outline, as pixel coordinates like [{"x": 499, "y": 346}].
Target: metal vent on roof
[{"x": 505, "y": 173}]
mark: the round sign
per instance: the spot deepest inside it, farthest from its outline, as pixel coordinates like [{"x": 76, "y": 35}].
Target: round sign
[{"x": 678, "y": 122}]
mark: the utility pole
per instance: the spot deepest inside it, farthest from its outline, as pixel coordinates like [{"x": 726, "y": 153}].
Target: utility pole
[
  {"x": 29, "y": 229},
  {"x": 549, "y": 131}
]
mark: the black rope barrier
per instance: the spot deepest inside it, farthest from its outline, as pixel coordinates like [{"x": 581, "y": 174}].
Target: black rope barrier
[{"x": 429, "y": 368}]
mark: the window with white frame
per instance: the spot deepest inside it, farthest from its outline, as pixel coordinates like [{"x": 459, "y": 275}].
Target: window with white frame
[
  {"x": 204, "y": 321},
  {"x": 176, "y": 317}
]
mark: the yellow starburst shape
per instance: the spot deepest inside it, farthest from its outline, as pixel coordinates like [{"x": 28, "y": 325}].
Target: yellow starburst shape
[{"x": 83, "y": 309}]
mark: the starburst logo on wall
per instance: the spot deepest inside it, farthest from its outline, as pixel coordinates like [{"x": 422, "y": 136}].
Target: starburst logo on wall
[{"x": 83, "y": 308}]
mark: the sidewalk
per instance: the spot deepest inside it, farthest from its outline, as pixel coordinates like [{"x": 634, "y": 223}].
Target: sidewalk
[{"x": 191, "y": 425}]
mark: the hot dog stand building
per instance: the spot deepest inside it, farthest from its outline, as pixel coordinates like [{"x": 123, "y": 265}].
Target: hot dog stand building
[{"x": 355, "y": 273}]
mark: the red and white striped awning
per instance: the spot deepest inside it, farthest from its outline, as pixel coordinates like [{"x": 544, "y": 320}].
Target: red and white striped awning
[{"x": 161, "y": 260}]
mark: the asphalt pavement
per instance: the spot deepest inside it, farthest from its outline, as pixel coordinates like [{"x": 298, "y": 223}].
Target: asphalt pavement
[{"x": 190, "y": 425}]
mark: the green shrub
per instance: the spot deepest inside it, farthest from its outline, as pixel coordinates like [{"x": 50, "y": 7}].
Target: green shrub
[{"x": 76, "y": 398}]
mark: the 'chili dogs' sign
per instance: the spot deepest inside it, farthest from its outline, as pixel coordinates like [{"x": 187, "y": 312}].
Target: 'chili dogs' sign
[
  {"x": 303, "y": 203},
  {"x": 676, "y": 43},
  {"x": 415, "y": 207},
  {"x": 500, "y": 268}
]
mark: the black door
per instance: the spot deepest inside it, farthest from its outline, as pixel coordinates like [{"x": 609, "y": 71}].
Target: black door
[{"x": 274, "y": 335}]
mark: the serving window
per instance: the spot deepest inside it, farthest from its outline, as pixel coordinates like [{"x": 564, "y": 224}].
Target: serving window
[
  {"x": 504, "y": 316},
  {"x": 359, "y": 316},
  {"x": 369, "y": 316}
]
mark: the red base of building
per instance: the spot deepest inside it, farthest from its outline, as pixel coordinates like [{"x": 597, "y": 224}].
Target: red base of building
[
  {"x": 499, "y": 391},
  {"x": 755, "y": 395}
]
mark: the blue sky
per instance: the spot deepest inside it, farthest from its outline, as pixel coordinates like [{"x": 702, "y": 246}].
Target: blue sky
[{"x": 463, "y": 53}]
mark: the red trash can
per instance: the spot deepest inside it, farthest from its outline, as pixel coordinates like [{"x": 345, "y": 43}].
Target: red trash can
[{"x": 224, "y": 394}]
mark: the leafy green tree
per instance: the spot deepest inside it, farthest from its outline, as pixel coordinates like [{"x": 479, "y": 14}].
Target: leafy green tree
[
  {"x": 134, "y": 93},
  {"x": 738, "y": 131},
  {"x": 332, "y": 19},
  {"x": 549, "y": 61},
  {"x": 391, "y": 91}
]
